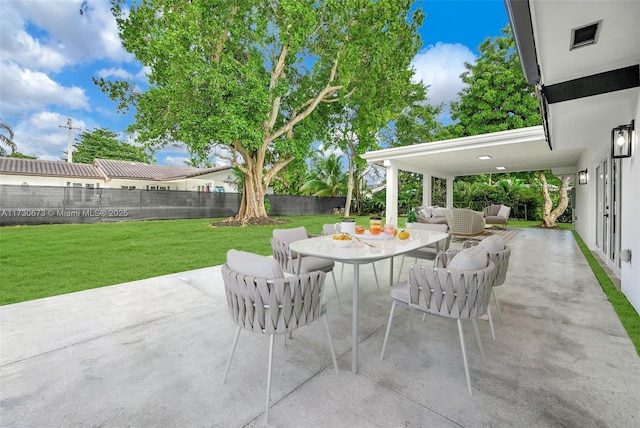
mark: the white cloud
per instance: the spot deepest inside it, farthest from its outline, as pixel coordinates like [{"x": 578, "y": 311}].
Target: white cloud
[
  {"x": 439, "y": 66},
  {"x": 330, "y": 150},
  {"x": 175, "y": 160},
  {"x": 44, "y": 135},
  {"x": 26, "y": 90},
  {"x": 115, "y": 72},
  {"x": 63, "y": 33}
]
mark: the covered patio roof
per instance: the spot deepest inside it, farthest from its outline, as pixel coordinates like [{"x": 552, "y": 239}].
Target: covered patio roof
[{"x": 522, "y": 149}]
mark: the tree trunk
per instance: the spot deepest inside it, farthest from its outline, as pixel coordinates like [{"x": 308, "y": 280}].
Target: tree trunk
[
  {"x": 350, "y": 185},
  {"x": 550, "y": 216},
  {"x": 253, "y": 191}
]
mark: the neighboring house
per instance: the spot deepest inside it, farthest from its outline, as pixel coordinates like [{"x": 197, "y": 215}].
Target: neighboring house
[
  {"x": 584, "y": 58},
  {"x": 113, "y": 174}
]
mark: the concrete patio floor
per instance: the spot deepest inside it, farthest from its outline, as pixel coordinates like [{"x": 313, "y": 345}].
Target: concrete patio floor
[{"x": 152, "y": 353}]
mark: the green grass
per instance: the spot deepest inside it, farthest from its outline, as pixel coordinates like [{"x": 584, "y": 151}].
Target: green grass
[
  {"x": 48, "y": 260},
  {"x": 627, "y": 313}
]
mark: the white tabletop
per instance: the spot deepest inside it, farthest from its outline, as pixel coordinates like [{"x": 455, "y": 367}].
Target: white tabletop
[{"x": 360, "y": 253}]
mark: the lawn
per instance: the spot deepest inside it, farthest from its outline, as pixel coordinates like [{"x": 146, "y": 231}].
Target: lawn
[{"x": 47, "y": 260}]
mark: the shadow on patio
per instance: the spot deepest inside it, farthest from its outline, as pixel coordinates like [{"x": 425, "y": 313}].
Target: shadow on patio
[{"x": 153, "y": 352}]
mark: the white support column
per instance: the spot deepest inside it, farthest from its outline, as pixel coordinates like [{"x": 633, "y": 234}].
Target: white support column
[
  {"x": 450, "y": 191},
  {"x": 427, "y": 190},
  {"x": 392, "y": 193}
]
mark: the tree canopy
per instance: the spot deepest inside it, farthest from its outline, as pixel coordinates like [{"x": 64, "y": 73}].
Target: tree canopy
[
  {"x": 104, "y": 144},
  {"x": 496, "y": 96},
  {"x": 256, "y": 80}
]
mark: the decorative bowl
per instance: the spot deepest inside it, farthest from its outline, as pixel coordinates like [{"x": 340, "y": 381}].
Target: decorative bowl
[{"x": 341, "y": 241}]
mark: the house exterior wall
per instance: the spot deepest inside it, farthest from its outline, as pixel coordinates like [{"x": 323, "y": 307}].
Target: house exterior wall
[
  {"x": 630, "y": 237},
  {"x": 200, "y": 183},
  {"x": 31, "y": 180}
]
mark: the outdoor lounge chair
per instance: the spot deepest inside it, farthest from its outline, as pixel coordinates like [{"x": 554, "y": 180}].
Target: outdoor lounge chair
[
  {"x": 497, "y": 214},
  {"x": 459, "y": 290},
  {"x": 262, "y": 300},
  {"x": 464, "y": 222}
]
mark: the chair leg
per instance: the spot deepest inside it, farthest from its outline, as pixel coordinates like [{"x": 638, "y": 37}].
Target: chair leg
[
  {"x": 495, "y": 299},
  {"x": 342, "y": 273},
  {"x": 493, "y": 333},
  {"x": 386, "y": 335},
  {"x": 376, "y": 275},
  {"x": 233, "y": 351},
  {"x": 333, "y": 353},
  {"x": 269, "y": 367},
  {"x": 335, "y": 284},
  {"x": 477, "y": 332},
  {"x": 400, "y": 270},
  {"x": 464, "y": 356}
]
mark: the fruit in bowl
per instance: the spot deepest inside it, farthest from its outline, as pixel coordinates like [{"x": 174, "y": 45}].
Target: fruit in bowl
[
  {"x": 342, "y": 240},
  {"x": 403, "y": 235}
]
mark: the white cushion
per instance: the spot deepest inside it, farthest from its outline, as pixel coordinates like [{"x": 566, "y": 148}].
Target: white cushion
[
  {"x": 438, "y": 212},
  {"x": 253, "y": 265},
  {"x": 472, "y": 258},
  {"x": 504, "y": 211},
  {"x": 425, "y": 212},
  {"x": 493, "y": 243}
]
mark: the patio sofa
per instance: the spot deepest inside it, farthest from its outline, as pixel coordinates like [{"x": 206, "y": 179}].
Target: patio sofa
[
  {"x": 431, "y": 214},
  {"x": 497, "y": 214}
]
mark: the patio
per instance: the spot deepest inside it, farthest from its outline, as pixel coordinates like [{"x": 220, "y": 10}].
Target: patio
[{"x": 153, "y": 353}]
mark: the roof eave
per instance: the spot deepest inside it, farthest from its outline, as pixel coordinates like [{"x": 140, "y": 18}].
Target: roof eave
[{"x": 519, "y": 12}]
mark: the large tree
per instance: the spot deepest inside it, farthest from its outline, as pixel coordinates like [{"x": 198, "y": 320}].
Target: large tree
[
  {"x": 255, "y": 80},
  {"x": 104, "y": 144},
  {"x": 496, "y": 97}
]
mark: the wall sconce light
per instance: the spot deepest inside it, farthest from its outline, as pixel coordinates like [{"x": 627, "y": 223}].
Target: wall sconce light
[
  {"x": 582, "y": 177},
  {"x": 621, "y": 141}
]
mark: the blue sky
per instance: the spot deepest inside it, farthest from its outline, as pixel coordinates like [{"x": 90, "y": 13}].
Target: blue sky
[{"x": 49, "y": 53}]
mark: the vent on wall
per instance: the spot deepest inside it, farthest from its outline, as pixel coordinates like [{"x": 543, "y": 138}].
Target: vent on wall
[{"x": 585, "y": 36}]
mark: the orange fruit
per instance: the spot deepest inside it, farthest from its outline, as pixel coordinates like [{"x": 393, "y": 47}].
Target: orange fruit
[{"x": 403, "y": 235}]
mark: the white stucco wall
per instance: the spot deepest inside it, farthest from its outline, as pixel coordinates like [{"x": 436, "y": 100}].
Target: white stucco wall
[
  {"x": 219, "y": 178},
  {"x": 48, "y": 181},
  {"x": 630, "y": 272}
]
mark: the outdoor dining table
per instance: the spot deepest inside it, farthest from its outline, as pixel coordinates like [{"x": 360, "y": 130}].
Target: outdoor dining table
[{"x": 358, "y": 253}]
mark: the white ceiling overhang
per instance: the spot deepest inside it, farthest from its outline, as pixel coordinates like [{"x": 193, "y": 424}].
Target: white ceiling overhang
[
  {"x": 522, "y": 149},
  {"x": 588, "y": 90}
]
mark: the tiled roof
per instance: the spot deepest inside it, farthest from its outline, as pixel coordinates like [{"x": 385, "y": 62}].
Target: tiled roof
[
  {"x": 17, "y": 166},
  {"x": 138, "y": 170},
  {"x": 101, "y": 168}
]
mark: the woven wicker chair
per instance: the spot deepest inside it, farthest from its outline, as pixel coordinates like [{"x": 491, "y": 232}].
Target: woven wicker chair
[
  {"x": 463, "y": 222},
  {"x": 330, "y": 229},
  {"x": 501, "y": 259},
  {"x": 448, "y": 292},
  {"x": 262, "y": 300},
  {"x": 429, "y": 252},
  {"x": 288, "y": 259}
]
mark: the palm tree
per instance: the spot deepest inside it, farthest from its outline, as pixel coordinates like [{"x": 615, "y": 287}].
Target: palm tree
[
  {"x": 7, "y": 141},
  {"x": 326, "y": 178}
]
